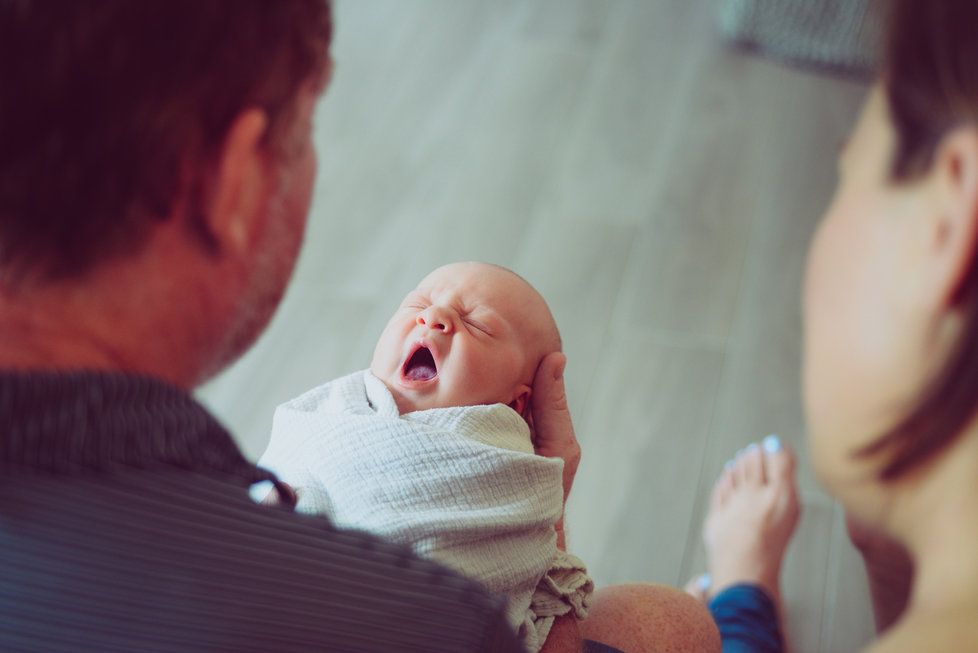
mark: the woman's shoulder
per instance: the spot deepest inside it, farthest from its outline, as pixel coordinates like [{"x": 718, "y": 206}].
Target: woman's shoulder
[{"x": 949, "y": 630}]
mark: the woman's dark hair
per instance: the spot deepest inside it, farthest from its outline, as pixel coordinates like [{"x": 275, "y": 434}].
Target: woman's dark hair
[
  {"x": 930, "y": 77},
  {"x": 110, "y": 110}
]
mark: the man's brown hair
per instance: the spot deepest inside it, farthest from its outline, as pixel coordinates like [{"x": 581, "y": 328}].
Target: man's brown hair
[
  {"x": 930, "y": 76},
  {"x": 111, "y": 110}
]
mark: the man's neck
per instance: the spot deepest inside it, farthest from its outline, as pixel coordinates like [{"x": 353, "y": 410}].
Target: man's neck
[
  {"x": 58, "y": 329},
  {"x": 166, "y": 309}
]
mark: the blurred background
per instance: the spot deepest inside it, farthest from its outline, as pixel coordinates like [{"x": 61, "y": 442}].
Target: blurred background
[{"x": 656, "y": 183}]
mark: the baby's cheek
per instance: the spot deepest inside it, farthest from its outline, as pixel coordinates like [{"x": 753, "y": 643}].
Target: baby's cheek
[
  {"x": 508, "y": 376},
  {"x": 464, "y": 387},
  {"x": 385, "y": 359},
  {"x": 375, "y": 363}
]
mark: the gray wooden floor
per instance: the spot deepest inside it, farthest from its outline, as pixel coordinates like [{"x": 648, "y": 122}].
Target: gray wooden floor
[{"x": 659, "y": 190}]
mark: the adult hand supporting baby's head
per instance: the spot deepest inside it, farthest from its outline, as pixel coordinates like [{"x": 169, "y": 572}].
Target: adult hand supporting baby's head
[{"x": 553, "y": 431}]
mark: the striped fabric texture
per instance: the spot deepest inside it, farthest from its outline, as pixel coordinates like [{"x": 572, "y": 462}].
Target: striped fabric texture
[{"x": 126, "y": 525}]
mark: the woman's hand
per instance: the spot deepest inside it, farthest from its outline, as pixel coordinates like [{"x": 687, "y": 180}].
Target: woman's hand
[{"x": 552, "y": 429}]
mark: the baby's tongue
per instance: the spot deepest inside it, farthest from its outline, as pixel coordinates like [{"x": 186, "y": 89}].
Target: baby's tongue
[
  {"x": 421, "y": 373},
  {"x": 421, "y": 367}
]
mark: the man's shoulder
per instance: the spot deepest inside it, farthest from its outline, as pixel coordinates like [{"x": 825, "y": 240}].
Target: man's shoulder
[
  {"x": 366, "y": 587},
  {"x": 189, "y": 545}
]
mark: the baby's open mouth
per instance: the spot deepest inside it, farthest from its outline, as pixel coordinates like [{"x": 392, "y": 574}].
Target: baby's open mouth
[{"x": 420, "y": 366}]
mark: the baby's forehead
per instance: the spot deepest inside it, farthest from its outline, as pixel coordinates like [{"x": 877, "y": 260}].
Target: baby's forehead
[
  {"x": 487, "y": 283},
  {"x": 501, "y": 290}
]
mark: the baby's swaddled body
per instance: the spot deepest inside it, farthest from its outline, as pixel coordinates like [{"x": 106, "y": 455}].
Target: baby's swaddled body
[
  {"x": 431, "y": 447},
  {"x": 461, "y": 485}
]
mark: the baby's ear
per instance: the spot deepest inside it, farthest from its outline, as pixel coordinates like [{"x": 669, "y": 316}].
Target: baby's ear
[{"x": 521, "y": 404}]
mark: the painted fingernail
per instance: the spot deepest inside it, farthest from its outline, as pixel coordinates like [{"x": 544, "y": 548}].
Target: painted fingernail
[
  {"x": 728, "y": 465},
  {"x": 772, "y": 444},
  {"x": 704, "y": 581},
  {"x": 751, "y": 447}
]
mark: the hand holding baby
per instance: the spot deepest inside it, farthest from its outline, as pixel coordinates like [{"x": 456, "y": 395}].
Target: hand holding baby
[{"x": 551, "y": 426}]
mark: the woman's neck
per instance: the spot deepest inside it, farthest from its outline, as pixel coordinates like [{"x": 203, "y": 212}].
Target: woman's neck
[{"x": 938, "y": 521}]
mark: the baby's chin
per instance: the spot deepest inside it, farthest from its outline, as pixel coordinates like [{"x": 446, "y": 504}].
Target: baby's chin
[
  {"x": 430, "y": 397},
  {"x": 411, "y": 402}
]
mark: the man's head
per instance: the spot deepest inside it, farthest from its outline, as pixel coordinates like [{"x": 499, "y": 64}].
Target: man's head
[
  {"x": 469, "y": 334},
  {"x": 170, "y": 136}
]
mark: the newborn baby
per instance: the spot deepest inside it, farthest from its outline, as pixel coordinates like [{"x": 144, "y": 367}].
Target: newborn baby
[{"x": 431, "y": 446}]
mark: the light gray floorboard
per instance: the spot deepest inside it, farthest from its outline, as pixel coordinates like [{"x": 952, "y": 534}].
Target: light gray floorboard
[
  {"x": 634, "y": 492},
  {"x": 657, "y": 187},
  {"x": 804, "y": 120}
]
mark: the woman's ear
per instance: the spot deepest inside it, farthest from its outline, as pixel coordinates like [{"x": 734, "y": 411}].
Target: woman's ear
[
  {"x": 953, "y": 236},
  {"x": 239, "y": 183},
  {"x": 521, "y": 402}
]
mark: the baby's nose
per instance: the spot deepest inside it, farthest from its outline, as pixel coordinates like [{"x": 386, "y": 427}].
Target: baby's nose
[{"x": 435, "y": 319}]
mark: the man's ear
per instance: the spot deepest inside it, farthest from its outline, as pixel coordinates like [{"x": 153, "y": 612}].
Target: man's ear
[
  {"x": 953, "y": 236},
  {"x": 239, "y": 183},
  {"x": 521, "y": 401}
]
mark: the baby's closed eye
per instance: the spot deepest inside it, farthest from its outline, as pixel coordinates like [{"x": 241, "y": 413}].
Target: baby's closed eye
[{"x": 479, "y": 326}]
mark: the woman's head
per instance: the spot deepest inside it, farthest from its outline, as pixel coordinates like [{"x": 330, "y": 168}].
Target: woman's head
[{"x": 891, "y": 347}]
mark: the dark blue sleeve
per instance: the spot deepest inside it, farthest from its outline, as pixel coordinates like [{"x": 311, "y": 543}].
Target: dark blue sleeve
[{"x": 748, "y": 620}]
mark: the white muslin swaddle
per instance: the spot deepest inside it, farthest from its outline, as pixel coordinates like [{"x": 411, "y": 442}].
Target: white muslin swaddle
[{"x": 460, "y": 485}]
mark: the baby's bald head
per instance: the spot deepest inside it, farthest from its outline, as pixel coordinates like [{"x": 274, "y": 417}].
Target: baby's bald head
[
  {"x": 518, "y": 301},
  {"x": 482, "y": 331}
]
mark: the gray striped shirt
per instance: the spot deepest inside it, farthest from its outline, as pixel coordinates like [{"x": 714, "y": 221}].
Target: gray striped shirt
[{"x": 126, "y": 525}]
